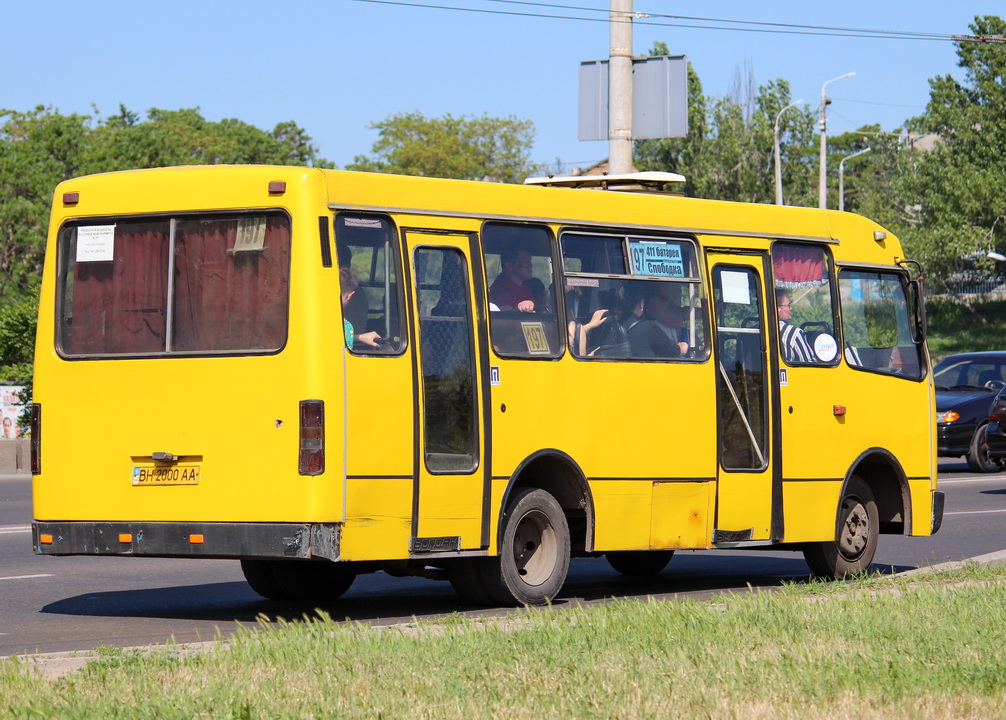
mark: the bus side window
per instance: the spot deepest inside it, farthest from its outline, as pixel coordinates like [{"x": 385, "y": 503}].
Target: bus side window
[
  {"x": 804, "y": 305},
  {"x": 366, "y": 247},
  {"x": 522, "y": 303},
  {"x": 876, "y": 323}
]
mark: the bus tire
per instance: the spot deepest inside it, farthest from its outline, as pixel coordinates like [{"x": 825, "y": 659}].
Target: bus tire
[
  {"x": 639, "y": 563},
  {"x": 466, "y": 578},
  {"x": 978, "y": 454},
  {"x": 298, "y": 579},
  {"x": 855, "y": 543},
  {"x": 534, "y": 552}
]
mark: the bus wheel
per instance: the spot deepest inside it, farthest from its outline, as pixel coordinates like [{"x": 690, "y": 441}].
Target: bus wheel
[
  {"x": 639, "y": 563},
  {"x": 856, "y": 541},
  {"x": 298, "y": 579},
  {"x": 534, "y": 553}
]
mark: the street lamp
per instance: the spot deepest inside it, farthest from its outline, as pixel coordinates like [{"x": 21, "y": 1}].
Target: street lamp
[
  {"x": 841, "y": 177},
  {"x": 822, "y": 181},
  {"x": 778, "y": 170}
]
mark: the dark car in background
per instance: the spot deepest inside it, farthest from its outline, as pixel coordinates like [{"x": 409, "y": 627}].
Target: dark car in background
[
  {"x": 995, "y": 431},
  {"x": 966, "y": 388}
]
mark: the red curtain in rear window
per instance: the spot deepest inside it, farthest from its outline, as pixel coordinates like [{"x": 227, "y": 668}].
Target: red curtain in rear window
[
  {"x": 224, "y": 300},
  {"x": 118, "y": 306},
  {"x": 227, "y": 300}
]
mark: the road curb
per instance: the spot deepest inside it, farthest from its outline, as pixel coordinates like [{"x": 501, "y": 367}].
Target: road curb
[{"x": 992, "y": 558}]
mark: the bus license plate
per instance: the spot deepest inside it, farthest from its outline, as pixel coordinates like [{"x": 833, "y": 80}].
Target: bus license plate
[{"x": 183, "y": 474}]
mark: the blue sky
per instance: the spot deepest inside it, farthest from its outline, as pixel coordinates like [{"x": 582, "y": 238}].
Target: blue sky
[{"x": 335, "y": 66}]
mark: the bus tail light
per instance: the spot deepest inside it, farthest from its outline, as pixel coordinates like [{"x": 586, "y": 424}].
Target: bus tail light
[
  {"x": 36, "y": 438},
  {"x": 312, "y": 437}
]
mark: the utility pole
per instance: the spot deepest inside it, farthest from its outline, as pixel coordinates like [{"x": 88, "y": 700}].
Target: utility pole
[
  {"x": 620, "y": 88},
  {"x": 823, "y": 179}
]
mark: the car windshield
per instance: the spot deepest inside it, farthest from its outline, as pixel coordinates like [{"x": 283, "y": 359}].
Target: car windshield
[{"x": 957, "y": 373}]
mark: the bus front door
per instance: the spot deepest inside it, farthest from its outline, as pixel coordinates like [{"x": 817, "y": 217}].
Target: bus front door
[
  {"x": 745, "y": 495},
  {"x": 450, "y": 498}
]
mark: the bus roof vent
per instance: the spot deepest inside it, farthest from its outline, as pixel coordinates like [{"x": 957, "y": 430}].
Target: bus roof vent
[{"x": 637, "y": 181}]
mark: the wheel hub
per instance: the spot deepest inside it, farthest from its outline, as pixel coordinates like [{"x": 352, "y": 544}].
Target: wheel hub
[
  {"x": 534, "y": 548},
  {"x": 855, "y": 535}
]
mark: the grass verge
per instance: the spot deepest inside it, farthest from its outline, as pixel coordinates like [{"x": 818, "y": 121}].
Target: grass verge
[{"x": 885, "y": 648}]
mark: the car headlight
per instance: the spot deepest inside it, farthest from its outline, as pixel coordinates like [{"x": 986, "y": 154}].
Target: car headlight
[{"x": 948, "y": 417}]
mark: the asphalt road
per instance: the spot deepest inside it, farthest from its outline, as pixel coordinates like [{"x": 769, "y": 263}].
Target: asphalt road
[{"x": 50, "y": 604}]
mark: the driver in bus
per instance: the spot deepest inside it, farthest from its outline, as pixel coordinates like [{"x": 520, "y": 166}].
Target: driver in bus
[
  {"x": 350, "y": 285},
  {"x": 795, "y": 348}
]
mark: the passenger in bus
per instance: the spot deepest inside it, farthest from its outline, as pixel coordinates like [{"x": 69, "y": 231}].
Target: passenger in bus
[
  {"x": 350, "y": 285},
  {"x": 794, "y": 345},
  {"x": 667, "y": 318},
  {"x": 509, "y": 290},
  {"x": 537, "y": 288},
  {"x": 580, "y": 333}
]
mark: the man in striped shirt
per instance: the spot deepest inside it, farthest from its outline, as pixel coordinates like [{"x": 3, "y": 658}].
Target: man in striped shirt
[{"x": 795, "y": 348}]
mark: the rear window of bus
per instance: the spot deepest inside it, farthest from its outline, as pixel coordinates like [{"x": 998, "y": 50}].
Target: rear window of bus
[{"x": 185, "y": 284}]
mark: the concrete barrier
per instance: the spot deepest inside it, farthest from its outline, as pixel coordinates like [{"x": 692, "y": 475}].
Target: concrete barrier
[{"x": 14, "y": 456}]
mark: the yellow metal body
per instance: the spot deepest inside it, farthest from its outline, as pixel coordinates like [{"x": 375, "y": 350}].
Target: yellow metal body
[{"x": 643, "y": 435}]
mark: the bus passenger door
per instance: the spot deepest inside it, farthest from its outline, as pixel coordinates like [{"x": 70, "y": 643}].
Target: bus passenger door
[
  {"x": 451, "y": 492},
  {"x": 745, "y": 489}
]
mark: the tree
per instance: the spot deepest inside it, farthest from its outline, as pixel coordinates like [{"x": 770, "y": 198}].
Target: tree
[
  {"x": 728, "y": 154},
  {"x": 38, "y": 149},
  {"x": 482, "y": 148},
  {"x": 41, "y": 148},
  {"x": 953, "y": 198},
  {"x": 17, "y": 344}
]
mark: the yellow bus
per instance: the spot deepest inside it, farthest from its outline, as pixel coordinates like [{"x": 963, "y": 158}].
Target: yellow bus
[{"x": 325, "y": 373}]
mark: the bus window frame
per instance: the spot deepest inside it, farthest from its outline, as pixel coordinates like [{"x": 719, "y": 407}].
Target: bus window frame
[
  {"x": 905, "y": 281},
  {"x": 62, "y": 268},
  {"x": 836, "y": 319},
  {"x": 555, "y": 258},
  {"x": 394, "y": 243},
  {"x": 696, "y": 280}
]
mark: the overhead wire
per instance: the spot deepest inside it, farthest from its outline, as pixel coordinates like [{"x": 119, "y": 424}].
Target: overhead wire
[{"x": 639, "y": 18}]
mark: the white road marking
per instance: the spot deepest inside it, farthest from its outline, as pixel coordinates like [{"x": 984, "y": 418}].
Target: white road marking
[
  {"x": 25, "y": 577},
  {"x": 11, "y": 529},
  {"x": 974, "y": 512}
]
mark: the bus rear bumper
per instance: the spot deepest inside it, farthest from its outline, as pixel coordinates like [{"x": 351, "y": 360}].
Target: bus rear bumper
[{"x": 195, "y": 539}]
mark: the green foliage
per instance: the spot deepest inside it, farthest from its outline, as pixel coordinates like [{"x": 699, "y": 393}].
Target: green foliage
[
  {"x": 728, "y": 154},
  {"x": 953, "y": 198},
  {"x": 17, "y": 344},
  {"x": 956, "y": 326},
  {"x": 41, "y": 148},
  {"x": 477, "y": 148}
]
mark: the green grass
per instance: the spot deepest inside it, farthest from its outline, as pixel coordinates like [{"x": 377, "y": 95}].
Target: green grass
[
  {"x": 932, "y": 647},
  {"x": 955, "y": 327}
]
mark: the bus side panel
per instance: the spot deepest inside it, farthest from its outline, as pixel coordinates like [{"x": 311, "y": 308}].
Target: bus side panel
[
  {"x": 682, "y": 514},
  {"x": 810, "y": 509},
  {"x": 378, "y": 519},
  {"x": 379, "y": 446},
  {"x": 627, "y": 425}
]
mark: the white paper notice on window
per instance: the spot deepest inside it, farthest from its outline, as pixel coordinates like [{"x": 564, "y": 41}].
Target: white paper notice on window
[
  {"x": 735, "y": 287},
  {"x": 95, "y": 243}
]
